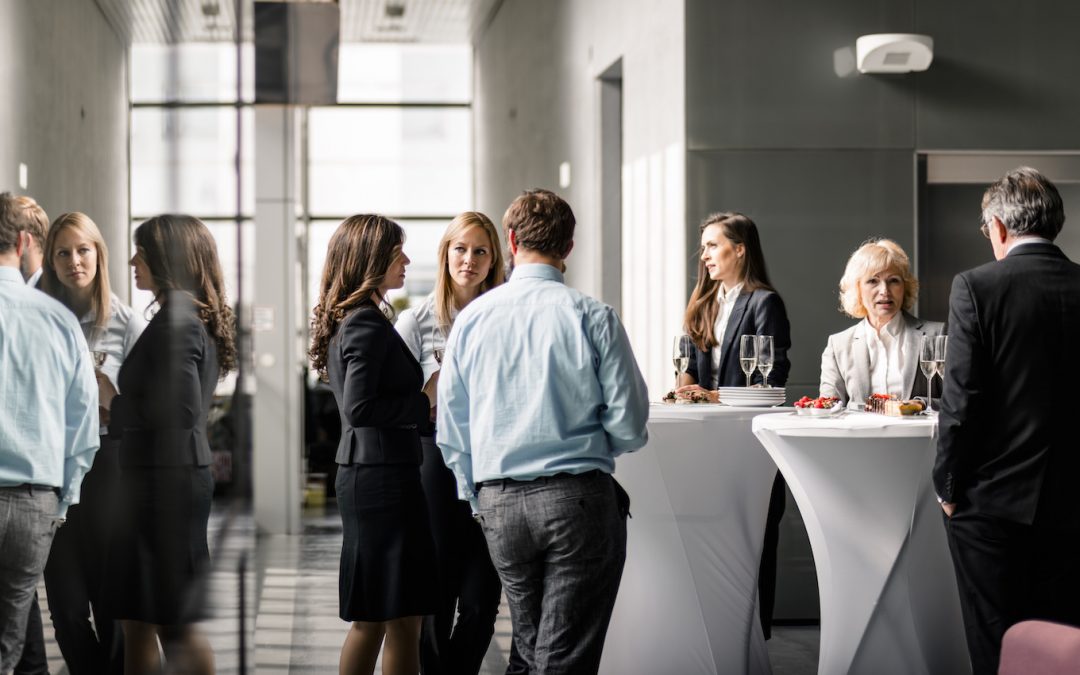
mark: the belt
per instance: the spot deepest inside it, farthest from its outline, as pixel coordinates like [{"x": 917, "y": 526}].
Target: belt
[
  {"x": 539, "y": 480},
  {"x": 32, "y": 487}
]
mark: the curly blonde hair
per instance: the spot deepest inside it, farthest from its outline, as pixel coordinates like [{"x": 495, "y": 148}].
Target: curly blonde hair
[{"x": 873, "y": 257}]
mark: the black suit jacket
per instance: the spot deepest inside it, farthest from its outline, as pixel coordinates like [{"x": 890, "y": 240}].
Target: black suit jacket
[
  {"x": 167, "y": 385},
  {"x": 759, "y": 312},
  {"x": 1008, "y": 444},
  {"x": 377, "y": 385}
]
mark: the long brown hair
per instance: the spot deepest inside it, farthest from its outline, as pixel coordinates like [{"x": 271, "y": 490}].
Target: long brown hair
[
  {"x": 99, "y": 287},
  {"x": 182, "y": 256},
  {"x": 703, "y": 308},
  {"x": 444, "y": 284},
  {"x": 357, "y": 258}
]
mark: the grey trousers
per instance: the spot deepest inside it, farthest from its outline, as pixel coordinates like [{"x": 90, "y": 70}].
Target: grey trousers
[
  {"x": 27, "y": 517},
  {"x": 559, "y": 544}
]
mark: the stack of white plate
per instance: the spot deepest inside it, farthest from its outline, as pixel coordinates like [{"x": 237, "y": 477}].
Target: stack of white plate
[{"x": 761, "y": 397}]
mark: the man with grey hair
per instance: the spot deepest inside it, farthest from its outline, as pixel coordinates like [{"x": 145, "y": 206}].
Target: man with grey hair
[
  {"x": 49, "y": 435},
  {"x": 1008, "y": 456}
]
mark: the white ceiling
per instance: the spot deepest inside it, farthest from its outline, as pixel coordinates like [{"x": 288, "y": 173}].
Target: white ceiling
[{"x": 176, "y": 21}]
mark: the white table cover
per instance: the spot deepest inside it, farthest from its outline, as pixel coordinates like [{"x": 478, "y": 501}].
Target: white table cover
[
  {"x": 889, "y": 602},
  {"x": 700, "y": 495}
]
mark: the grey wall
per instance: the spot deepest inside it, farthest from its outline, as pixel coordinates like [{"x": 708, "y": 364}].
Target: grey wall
[
  {"x": 537, "y": 104},
  {"x": 64, "y": 114},
  {"x": 823, "y": 162}
]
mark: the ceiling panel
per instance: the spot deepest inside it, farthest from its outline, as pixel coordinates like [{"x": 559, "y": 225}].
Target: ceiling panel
[{"x": 176, "y": 21}]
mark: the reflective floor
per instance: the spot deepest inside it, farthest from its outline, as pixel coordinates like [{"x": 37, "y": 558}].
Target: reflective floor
[{"x": 292, "y": 581}]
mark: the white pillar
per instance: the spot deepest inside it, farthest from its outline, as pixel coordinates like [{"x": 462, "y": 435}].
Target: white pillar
[{"x": 278, "y": 415}]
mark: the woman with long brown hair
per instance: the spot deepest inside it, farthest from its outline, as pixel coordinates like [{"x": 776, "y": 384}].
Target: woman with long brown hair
[
  {"x": 470, "y": 264},
  {"x": 76, "y": 272},
  {"x": 160, "y": 554},
  {"x": 734, "y": 297},
  {"x": 387, "y": 579}
]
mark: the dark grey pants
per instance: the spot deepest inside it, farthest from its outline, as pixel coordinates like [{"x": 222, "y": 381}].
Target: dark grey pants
[
  {"x": 559, "y": 544},
  {"x": 26, "y": 533}
]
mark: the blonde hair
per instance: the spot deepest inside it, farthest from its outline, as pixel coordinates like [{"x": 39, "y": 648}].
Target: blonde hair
[
  {"x": 444, "y": 284},
  {"x": 873, "y": 257},
  {"x": 99, "y": 289}
]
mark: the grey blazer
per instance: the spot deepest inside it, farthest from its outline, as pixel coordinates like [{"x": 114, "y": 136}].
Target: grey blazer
[{"x": 845, "y": 363}]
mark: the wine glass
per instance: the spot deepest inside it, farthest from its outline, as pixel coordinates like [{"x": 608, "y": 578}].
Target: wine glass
[
  {"x": 765, "y": 357},
  {"x": 438, "y": 343},
  {"x": 928, "y": 364},
  {"x": 94, "y": 336},
  {"x": 748, "y": 355},
  {"x": 940, "y": 345},
  {"x": 681, "y": 353}
]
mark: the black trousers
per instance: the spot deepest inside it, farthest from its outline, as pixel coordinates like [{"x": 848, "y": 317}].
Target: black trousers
[
  {"x": 75, "y": 574},
  {"x": 767, "y": 571},
  {"x": 33, "y": 660},
  {"x": 1008, "y": 572},
  {"x": 468, "y": 583}
]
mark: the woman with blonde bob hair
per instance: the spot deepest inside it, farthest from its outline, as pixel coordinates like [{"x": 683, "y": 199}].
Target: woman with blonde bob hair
[
  {"x": 880, "y": 354},
  {"x": 386, "y": 581},
  {"x": 76, "y": 272},
  {"x": 470, "y": 264}
]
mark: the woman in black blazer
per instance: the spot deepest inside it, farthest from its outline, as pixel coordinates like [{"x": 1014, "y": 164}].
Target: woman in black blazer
[
  {"x": 387, "y": 580},
  {"x": 159, "y": 553},
  {"x": 732, "y": 278}
]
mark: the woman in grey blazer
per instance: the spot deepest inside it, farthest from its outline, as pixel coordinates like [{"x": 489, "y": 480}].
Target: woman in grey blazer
[{"x": 880, "y": 354}]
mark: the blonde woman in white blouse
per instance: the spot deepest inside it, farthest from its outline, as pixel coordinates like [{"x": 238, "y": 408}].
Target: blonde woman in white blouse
[
  {"x": 470, "y": 263},
  {"x": 76, "y": 272},
  {"x": 880, "y": 354}
]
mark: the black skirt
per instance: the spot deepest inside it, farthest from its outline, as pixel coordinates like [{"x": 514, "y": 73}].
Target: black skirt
[
  {"x": 159, "y": 555},
  {"x": 387, "y": 555}
]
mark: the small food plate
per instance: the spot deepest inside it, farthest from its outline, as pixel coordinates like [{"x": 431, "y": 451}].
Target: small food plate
[{"x": 834, "y": 411}]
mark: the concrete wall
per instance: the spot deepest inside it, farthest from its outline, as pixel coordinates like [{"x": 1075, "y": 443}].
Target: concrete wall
[
  {"x": 537, "y": 104},
  {"x": 64, "y": 114},
  {"x": 822, "y": 162}
]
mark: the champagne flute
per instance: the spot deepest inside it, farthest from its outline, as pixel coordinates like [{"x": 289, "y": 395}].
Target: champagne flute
[
  {"x": 940, "y": 345},
  {"x": 928, "y": 365},
  {"x": 748, "y": 355},
  {"x": 681, "y": 353},
  {"x": 765, "y": 357}
]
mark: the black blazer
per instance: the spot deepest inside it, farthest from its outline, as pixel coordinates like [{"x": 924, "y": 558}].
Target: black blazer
[
  {"x": 1007, "y": 444},
  {"x": 377, "y": 385},
  {"x": 759, "y": 312},
  {"x": 167, "y": 385}
]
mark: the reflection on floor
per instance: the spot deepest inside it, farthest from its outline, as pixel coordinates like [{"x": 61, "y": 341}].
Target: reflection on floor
[{"x": 292, "y": 581}]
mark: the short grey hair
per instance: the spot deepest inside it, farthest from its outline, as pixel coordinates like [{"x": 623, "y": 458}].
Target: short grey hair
[{"x": 1026, "y": 203}]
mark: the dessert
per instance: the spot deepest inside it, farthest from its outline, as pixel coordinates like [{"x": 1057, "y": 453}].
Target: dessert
[
  {"x": 821, "y": 402},
  {"x": 685, "y": 398},
  {"x": 892, "y": 406}
]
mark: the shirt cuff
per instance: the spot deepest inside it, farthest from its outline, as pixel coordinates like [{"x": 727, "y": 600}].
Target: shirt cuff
[{"x": 62, "y": 509}]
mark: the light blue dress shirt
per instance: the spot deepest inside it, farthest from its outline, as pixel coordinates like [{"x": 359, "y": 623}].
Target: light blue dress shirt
[
  {"x": 48, "y": 394},
  {"x": 537, "y": 379}
]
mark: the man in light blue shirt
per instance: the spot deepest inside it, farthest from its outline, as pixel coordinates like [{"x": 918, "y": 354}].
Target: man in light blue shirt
[
  {"x": 539, "y": 393},
  {"x": 48, "y": 433}
]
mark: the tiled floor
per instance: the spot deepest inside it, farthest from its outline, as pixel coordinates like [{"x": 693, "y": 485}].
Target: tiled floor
[{"x": 292, "y": 581}]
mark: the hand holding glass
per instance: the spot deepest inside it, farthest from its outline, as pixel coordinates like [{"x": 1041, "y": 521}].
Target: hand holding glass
[
  {"x": 748, "y": 355},
  {"x": 438, "y": 343},
  {"x": 765, "y": 357}
]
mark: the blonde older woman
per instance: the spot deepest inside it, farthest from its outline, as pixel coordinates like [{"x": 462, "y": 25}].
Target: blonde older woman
[{"x": 880, "y": 354}]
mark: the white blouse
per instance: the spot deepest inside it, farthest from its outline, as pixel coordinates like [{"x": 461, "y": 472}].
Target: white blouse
[
  {"x": 887, "y": 356},
  {"x": 418, "y": 328},
  {"x": 727, "y": 299},
  {"x": 121, "y": 332}
]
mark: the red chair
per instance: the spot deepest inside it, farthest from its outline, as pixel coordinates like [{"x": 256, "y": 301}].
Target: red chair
[{"x": 1040, "y": 648}]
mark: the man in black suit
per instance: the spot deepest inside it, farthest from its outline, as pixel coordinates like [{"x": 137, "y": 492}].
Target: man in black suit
[{"x": 1008, "y": 452}]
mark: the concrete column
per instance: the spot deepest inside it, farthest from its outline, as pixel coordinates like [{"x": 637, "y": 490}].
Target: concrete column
[{"x": 277, "y": 319}]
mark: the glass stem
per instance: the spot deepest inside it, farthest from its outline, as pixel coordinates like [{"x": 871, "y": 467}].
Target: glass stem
[{"x": 929, "y": 393}]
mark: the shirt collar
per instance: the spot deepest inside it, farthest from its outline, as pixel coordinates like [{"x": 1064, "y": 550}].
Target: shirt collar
[
  {"x": 1024, "y": 241},
  {"x": 893, "y": 328},
  {"x": 35, "y": 277},
  {"x": 726, "y": 295},
  {"x": 11, "y": 274},
  {"x": 537, "y": 271}
]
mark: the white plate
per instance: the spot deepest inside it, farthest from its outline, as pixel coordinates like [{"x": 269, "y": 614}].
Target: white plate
[
  {"x": 820, "y": 412},
  {"x": 745, "y": 403}
]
